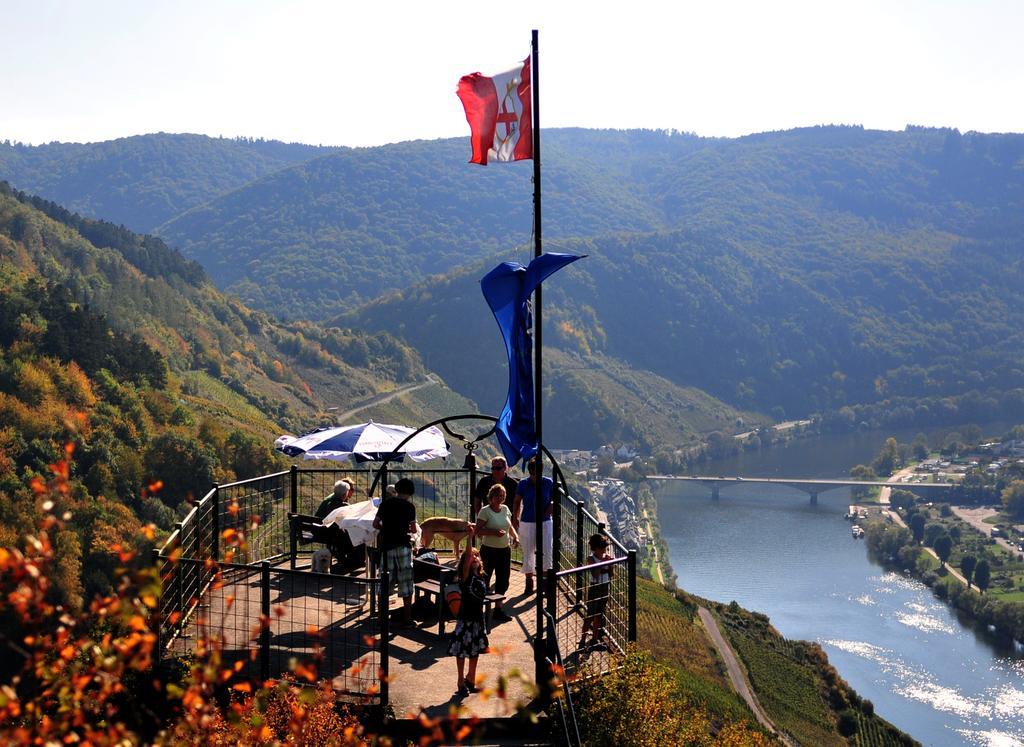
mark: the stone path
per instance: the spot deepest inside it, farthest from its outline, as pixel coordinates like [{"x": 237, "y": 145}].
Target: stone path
[{"x": 736, "y": 673}]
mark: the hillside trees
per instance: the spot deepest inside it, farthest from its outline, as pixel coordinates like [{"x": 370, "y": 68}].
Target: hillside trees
[
  {"x": 841, "y": 274},
  {"x": 888, "y": 459},
  {"x": 901, "y": 499},
  {"x": 125, "y": 349},
  {"x": 1013, "y": 498},
  {"x": 919, "y": 446},
  {"x": 136, "y": 181},
  {"x": 982, "y": 574},
  {"x": 185, "y": 466},
  {"x": 917, "y": 526},
  {"x": 967, "y": 564},
  {"x": 865, "y": 473},
  {"x": 888, "y": 541}
]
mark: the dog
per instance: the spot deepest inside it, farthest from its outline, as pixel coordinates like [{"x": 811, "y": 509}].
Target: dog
[
  {"x": 453, "y": 530},
  {"x": 322, "y": 560}
]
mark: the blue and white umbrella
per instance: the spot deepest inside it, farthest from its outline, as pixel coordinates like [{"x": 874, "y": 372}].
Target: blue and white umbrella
[{"x": 367, "y": 442}]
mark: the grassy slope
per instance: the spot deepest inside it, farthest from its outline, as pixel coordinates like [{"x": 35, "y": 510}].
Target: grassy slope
[
  {"x": 802, "y": 693},
  {"x": 795, "y": 684},
  {"x": 668, "y": 627}
]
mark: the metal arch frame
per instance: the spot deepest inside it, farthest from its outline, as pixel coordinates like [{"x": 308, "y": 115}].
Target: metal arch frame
[
  {"x": 546, "y": 603},
  {"x": 470, "y": 445}
]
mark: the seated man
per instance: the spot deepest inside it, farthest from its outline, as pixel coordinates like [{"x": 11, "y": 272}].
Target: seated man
[
  {"x": 336, "y": 539},
  {"x": 342, "y": 492}
]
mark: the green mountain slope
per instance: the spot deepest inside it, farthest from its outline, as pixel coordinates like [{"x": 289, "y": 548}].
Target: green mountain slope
[
  {"x": 384, "y": 217},
  {"x": 935, "y": 319},
  {"x": 591, "y": 398},
  {"x": 113, "y": 342},
  {"x": 142, "y": 181},
  {"x": 329, "y": 234},
  {"x": 803, "y": 694},
  {"x": 792, "y": 272}
]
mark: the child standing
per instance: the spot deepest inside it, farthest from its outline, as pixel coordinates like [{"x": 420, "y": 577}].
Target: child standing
[
  {"x": 469, "y": 639},
  {"x": 597, "y": 592}
]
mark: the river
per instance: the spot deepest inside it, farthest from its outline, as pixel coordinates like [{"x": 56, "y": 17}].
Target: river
[{"x": 767, "y": 548}]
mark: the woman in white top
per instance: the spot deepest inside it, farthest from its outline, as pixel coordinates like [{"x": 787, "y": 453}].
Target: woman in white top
[{"x": 496, "y": 533}]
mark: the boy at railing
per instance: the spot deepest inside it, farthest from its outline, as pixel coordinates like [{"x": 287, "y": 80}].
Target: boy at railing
[{"x": 597, "y": 592}]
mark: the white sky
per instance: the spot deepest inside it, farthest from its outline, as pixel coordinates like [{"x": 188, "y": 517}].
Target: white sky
[{"x": 359, "y": 72}]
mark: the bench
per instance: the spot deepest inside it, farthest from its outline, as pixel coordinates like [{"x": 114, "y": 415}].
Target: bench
[
  {"x": 305, "y": 529},
  {"x": 433, "y": 588}
]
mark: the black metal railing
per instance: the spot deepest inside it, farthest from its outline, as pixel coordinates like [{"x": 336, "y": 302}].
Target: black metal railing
[
  {"x": 272, "y": 618},
  {"x": 259, "y": 508},
  {"x": 213, "y": 585},
  {"x": 579, "y": 591},
  {"x": 564, "y": 705}
]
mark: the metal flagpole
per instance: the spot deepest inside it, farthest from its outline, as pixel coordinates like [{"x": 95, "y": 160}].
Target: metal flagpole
[{"x": 538, "y": 389}]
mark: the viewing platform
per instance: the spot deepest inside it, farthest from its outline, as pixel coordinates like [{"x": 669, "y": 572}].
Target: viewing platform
[{"x": 273, "y": 615}]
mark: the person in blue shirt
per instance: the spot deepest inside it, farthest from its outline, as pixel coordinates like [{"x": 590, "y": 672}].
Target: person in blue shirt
[{"x": 524, "y": 520}]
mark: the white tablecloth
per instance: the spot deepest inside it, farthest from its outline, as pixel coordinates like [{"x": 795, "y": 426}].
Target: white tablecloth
[{"x": 357, "y": 520}]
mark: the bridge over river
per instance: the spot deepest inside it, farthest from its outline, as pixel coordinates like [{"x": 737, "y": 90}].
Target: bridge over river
[{"x": 811, "y": 486}]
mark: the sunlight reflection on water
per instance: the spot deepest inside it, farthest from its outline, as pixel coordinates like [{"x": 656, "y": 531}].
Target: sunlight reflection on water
[
  {"x": 886, "y": 633},
  {"x": 1005, "y": 702},
  {"x": 990, "y": 738},
  {"x": 925, "y": 622}
]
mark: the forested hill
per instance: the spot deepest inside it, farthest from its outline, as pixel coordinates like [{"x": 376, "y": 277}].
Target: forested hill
[
  {"x": 331, "y": 233},
  {"x": 789, "y": 272},
  {"x": 915, "y": 328},
  {"x": 142, "y": 181},
  {"x": 336, "y": 231},
  {"x": 116, "y": 343}
]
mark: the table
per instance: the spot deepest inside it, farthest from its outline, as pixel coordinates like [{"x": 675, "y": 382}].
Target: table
[{"x": 357, "y": 520}]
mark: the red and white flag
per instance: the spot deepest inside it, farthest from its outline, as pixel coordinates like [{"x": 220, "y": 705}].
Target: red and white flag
[{"x": 499, "y": 112}]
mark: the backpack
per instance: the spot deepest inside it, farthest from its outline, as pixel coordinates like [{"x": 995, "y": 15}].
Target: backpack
[{"x": 453, "y": 598}]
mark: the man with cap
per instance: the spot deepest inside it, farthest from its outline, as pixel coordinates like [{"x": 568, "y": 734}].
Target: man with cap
[
  {"x": 396, "y": 524},
  {"x": 499, "y": 476}
]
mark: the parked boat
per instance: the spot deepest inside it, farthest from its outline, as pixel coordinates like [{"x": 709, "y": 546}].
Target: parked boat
[{"x": 858, "y": 533}]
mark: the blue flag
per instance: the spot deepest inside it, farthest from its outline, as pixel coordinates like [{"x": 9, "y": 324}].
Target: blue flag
[{"x": 507, "y": 289}]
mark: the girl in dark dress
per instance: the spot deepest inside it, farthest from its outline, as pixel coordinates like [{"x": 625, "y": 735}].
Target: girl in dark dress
[{"x": 469, "y": 638}]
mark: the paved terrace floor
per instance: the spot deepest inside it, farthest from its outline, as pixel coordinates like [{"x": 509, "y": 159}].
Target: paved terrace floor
[{"x": 422, "y": 675}]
